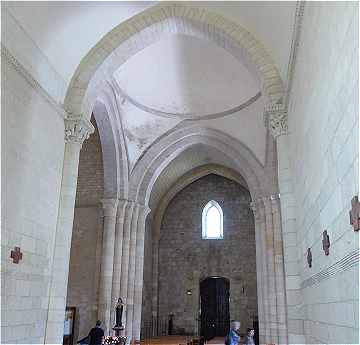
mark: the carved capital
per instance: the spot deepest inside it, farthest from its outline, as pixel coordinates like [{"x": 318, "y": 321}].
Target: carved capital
[
  {"x": 109, "y": 207},
  {"x": 276, "y": 119},
  {"x": 145, "y": 210},
  {"x": 77, "y": 129}
]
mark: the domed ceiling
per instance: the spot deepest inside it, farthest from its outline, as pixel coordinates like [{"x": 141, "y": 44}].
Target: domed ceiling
[{"x": 185, "y": 77}]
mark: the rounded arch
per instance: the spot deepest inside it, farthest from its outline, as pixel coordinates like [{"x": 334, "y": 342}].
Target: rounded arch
[
  {"x": 149, "y": 26},
  {"x": 115, "y": 160},
  {"x": 153, "y": 162}
]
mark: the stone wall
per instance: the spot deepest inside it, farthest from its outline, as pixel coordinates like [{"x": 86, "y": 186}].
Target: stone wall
[
  {"x": 86, "y": 242},
  {"x": 185, "y": 258},
  {"x": 32, "y": 133},
  {"x": 323, "y": 126}
]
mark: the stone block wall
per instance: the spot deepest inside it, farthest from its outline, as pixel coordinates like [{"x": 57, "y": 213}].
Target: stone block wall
[
  {"x": 185, "y": 258},
  {"x": 86, "y": 244},
  {"x": 324, "y": 138},
  {"x": 32, "y": 134}
]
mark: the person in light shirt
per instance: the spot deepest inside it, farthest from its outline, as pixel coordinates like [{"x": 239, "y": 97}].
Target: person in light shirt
[{"x": 233, "y": 337}]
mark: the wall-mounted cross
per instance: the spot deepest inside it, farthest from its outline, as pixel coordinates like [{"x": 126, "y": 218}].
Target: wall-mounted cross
[
  {"x": 309, "y": 257},
  {"x": 355, "y": 213},
  {"x": 326, "y": 243},
  {"x": 16, "y": 255}
]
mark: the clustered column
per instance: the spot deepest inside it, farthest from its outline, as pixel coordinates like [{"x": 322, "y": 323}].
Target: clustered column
[{"x": 122, "y": 265}]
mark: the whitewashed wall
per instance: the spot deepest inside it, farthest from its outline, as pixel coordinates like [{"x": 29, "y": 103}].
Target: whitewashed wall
[
  {"x": 323, "y": 126},
  {"x": 32, "y": 159}
]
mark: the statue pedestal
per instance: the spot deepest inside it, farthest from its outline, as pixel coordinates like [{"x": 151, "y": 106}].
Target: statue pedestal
[{"x": 119, "y": 331}]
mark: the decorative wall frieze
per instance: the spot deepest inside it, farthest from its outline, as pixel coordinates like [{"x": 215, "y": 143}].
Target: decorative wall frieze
[
  {"x": 276, "y": 119},
  {"x": 18, "y": 67},
  {"x": 77, "y": 129},
  {"x": 348, "y": 261}
]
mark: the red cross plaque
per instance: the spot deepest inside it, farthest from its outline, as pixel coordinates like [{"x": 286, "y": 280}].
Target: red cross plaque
[
  {"x": 16, "y": 255},
  {"x": 355, "y": 213}
]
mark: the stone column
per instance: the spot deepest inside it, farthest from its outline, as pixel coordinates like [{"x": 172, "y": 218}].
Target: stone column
[
  {"x": 277, "y": 121},
  {"x": 119, "y": 233},
  {"x": 269, "y": 250},
  {"x": 131, "y": 274},
  {"x": 259, "y": 271},
  {"x": 139, "y": 271},
  {"x": 125, "y": 256},
  {"x": 107, "y": 262},
  {"x": 279, "y": 271},
  {"x": 77, "y": 129}
]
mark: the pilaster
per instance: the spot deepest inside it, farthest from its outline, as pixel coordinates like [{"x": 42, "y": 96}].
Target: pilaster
[{"x": 277, "y": 121}]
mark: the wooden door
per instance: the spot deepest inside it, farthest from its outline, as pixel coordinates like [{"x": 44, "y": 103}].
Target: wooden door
[{"x": 214, "y": 306}]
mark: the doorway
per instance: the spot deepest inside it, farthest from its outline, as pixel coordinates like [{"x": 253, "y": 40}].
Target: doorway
[{"x": 214, "y": 307}]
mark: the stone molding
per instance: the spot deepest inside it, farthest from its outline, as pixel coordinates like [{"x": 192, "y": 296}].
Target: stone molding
[
  {"x": 149, "y": 26},
  {"x": 18, "y": 67},
  {"x": 299, "y": 13},
  {"x": 144, "y": 210},
  {"x": 77, "y": 129},
  {"x": 276, "y": 119},
  {"x": 348, "y": 261},
  {"x": 158, "y": 156},
  {"x": 185, "y": 116}
]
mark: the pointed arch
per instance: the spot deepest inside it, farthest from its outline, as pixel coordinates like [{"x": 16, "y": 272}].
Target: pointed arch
[{"x": 212, "y": 221}]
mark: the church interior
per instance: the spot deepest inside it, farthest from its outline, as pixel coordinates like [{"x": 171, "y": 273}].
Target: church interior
[{"x": 169, "y": 168}]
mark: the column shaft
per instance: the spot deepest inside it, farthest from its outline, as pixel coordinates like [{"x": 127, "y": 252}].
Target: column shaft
[
  {"x": 107, "y": 262},
  {"x": 139, "y": 270},
  {"x": 269, "y": 235},
  {"x": 119, "y": 233},
  {"x": 259, "y": 273},
  {"x": 131, "y": 274},
  {"x": 125, "y": 256}
]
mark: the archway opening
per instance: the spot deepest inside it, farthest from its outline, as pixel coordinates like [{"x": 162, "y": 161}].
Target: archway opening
[
  {"x": 214, "y": 307},
  {"x": 180, "y": 258}
]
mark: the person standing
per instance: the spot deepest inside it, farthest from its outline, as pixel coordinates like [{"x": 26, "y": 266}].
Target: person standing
[
  {"x": 249, "y": 340},
  {"x": 233, "y": 337},
  {"x": 96, "y": 334}
]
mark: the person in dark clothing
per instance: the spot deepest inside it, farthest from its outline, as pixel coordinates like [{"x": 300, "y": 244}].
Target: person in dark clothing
[
  {"x": 249, "y": 340},
  {"x": 96, "y": 335}
]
